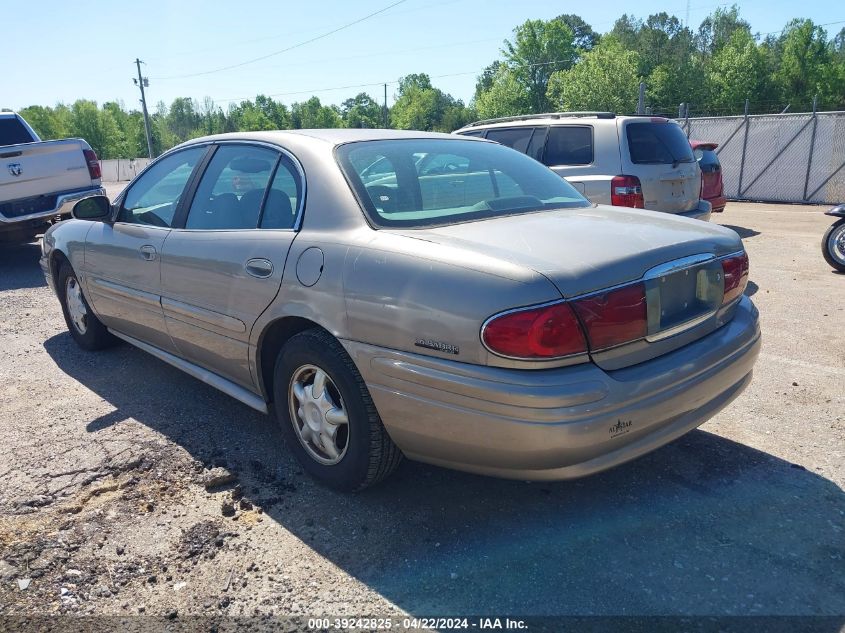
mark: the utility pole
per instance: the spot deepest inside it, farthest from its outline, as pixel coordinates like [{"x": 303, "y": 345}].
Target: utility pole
[
  {"x": 384, "y": 109},
  {"x": 142, "y": 82},
  {"x": 641, "y": 99}
]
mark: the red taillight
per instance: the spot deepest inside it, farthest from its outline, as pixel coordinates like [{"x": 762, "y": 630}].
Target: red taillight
[
  {"x": 535, "y": 333},
  {"x": 736, "y": 276},
  {"x": 93, "y": 164},
  {"x": 626, "y": 191},
  {"x": 614, "y": 317}
]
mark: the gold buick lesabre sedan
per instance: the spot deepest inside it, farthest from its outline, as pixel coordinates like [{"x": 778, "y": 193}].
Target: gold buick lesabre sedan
[{"x": 391, "y": 293}]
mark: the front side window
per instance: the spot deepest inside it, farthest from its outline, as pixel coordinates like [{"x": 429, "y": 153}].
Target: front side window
[
  {"x": 152, "y": 199},
  {"x": 569, "y": 145},
  {"x": 232, "y": 189},
  {"x": 658, "y": 143},
  {"x": 433, "y": 182}
]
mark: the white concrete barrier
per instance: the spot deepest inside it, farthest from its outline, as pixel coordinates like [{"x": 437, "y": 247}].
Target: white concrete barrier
[{"x": 122, "y": 169}]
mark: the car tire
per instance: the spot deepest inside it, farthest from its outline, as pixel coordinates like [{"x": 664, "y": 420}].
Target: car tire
[
  {"x": 834, "y": 253},
  {"x": 84, "y": 326},
  {"x": 311, "y": 411}
]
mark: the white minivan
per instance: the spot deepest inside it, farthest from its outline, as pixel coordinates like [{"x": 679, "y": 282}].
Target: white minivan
[{"x": 629, "y": 161}]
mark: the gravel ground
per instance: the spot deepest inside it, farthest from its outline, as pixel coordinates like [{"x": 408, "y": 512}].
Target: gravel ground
[{"x": 128, "y": 487}]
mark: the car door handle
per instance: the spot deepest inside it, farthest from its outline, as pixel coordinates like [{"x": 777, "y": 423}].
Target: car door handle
[
  {"x": 259, "y": 267},
  {"x": 148, "y": 252}
]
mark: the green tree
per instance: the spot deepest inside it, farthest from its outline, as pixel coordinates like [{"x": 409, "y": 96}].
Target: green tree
[
  {"x": 738, "y": 71},
  {"x": 485, "y": 80},
  {"x": 585, "y": 38},
  {"x": 362, "y": 111},
  {"x": 313, "y": 114},
  {"x": 717, "y": 29},
  {"x": 606, "y": 78},
  {"x": 505, "y": 96},
  {"x": 421, "y": 106},
  {"x": 804, "y": 65},
  {"x": 183, "y": 120},
  {"x": 538, "y": 50},
  {"x": 661, "y": 39}
]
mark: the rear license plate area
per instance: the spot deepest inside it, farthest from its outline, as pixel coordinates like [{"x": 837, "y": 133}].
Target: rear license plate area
[{"x": 679, "y": 300}]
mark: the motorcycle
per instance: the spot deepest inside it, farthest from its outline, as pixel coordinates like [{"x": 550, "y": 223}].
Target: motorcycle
[{"x": 833, "y": 242}]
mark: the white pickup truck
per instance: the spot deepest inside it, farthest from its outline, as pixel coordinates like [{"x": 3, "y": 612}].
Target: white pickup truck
[{"x": 40, "y": 180}]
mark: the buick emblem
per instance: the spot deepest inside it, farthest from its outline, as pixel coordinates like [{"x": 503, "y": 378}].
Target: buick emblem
[{"x": 15, "y": 169}]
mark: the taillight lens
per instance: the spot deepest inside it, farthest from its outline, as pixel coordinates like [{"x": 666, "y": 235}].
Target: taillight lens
[
  {"x": 535, "y": 333},
  {"x": 736, "y": 276},
  {"x": 614, "y": 317},
  {"x": 626, "y": 191},
  {"x": 93, "y": 164}
]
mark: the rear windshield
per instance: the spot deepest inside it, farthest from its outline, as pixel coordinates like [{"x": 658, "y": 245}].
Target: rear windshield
[
  {"x": 13, "y": 132},
  {"x": 432, "y": 182},
  {"x": 658, "y": 143}
]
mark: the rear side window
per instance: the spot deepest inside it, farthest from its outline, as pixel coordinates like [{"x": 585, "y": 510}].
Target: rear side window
[
  {"x": 528, "y": 140},
  {"x": 707, "y": 159},
  {"x": 473, "y": 133},
  {"x": 658, "y": 143},
  {"x": 516, "y": 137},
  {"x": 13, "y": 132},
  {"x": 569, "y": 145}
]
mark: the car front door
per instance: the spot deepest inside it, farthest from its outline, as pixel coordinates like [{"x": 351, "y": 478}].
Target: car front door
[
  {"x": 223, "y": 263},
  {"x": 123, "y": 258}
]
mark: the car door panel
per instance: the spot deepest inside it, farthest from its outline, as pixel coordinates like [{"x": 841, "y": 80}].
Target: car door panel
[
  {"x": 210, "y": 300},
  {"x": 123, "y": 283},
  {"x": 217, "y": 275}
]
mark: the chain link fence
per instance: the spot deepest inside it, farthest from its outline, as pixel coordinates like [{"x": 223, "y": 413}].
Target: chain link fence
[{"x": 778, "y": 157}]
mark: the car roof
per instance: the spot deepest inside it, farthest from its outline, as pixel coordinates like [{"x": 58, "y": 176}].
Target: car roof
[{"x": 331, "y": 136}]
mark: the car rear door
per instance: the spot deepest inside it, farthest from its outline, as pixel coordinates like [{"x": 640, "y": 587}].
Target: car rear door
[
  {"x": 573, "y": 151},
  {"x": 123, "y": 258},
  {"x": 222, "y": 266},
  {"x": 657, "y": 152}
]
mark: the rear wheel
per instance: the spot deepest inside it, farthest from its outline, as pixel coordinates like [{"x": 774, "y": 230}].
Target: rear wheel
[
  {"x": 833, "y": 246},
  {"x": 327, "y": 415},
  {"x": 84, "y": 326}
]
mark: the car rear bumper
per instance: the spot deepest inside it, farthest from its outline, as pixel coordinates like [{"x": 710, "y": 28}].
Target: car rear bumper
[
  {"x": 62, "y": 207},
  {"x": 702, "y": 211},
  {"x": 718, "y": 203},
  {"x": 558, "y": 423}
]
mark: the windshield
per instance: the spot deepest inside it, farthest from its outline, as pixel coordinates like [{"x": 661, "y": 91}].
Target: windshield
[
  {"x": 658, "y": 143},
  {"x": 427, "y": 182}
]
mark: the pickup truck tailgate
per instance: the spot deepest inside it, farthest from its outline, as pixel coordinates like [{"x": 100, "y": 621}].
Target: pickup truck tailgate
[{"x": 47, "y": 167}]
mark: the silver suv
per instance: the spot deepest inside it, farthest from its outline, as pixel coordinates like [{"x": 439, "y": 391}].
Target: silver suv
[{"x": 626, "y": 161}]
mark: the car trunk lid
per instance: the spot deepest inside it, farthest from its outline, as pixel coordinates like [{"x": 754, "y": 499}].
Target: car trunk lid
[{"x": 587, "y": 250}]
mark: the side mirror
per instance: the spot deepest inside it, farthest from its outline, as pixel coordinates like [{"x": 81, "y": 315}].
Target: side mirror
[{"x": 93, "y": 208}]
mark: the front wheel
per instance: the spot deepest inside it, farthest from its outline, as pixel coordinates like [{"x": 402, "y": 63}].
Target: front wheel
[
  {"x": 833, "y": 246},
  {"x": 84, "y": 326},
  {"x": 327, "y": 415}
]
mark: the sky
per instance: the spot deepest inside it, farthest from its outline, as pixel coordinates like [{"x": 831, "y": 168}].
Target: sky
[{"x": 60, "y": 51}]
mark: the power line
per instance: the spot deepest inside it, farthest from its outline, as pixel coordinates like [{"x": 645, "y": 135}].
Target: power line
[
  {"x": 289, "y": 48},
  {"x": 313, "y": 62},
  {"x": 276, "y": 36}
]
